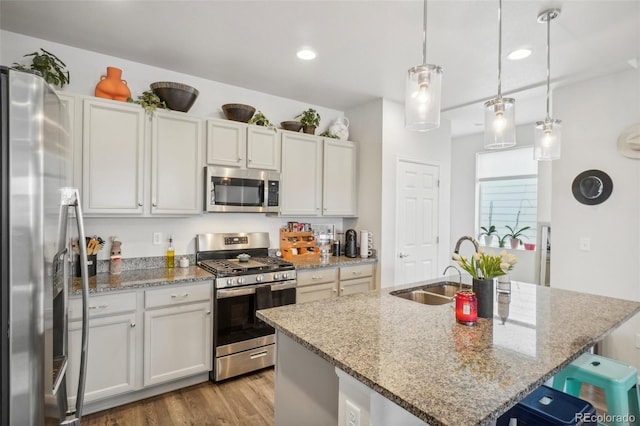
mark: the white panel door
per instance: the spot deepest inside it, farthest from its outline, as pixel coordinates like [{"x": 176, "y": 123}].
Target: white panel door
[{"x": 416, "y": 222}]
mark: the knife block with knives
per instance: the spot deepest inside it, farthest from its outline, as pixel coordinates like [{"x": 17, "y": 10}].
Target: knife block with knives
[{"x": 93, "y": 244}]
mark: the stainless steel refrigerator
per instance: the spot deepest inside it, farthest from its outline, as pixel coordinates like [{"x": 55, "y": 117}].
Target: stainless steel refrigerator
[{"x": 39, "y": 215}]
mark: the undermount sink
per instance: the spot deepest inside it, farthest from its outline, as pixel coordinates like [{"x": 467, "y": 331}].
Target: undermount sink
[{"x": 438, "y": 293}]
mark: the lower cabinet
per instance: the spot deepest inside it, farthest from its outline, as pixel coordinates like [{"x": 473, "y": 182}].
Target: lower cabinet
[
  {"x": 325, "y": 283},
  {"x": 140, "y": 339},
  {"x": 177, "y": 341}
]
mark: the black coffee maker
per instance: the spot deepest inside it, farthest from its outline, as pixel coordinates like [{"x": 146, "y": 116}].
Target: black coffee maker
[{"x": 350, "y": 243}]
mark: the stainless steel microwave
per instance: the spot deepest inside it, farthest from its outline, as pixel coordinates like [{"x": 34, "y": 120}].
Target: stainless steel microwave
[{"x": 241, "y": 190}]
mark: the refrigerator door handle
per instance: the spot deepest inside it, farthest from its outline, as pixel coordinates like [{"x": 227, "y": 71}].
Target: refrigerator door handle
[{"x": 71, "y": 197}]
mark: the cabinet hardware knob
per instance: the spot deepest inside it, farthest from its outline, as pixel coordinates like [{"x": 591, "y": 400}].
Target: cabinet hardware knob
[
  {"x": 315, "y": 277},
  {"x": 139, "y": 204},
  {"x": 183, "y": 295},
  {"x": 334, "y": 290},
  {"x": 155, "y": 204},
  {"x": 98, "y": 306},
  {"x": 342, "y": 290},
  {"x": 208, "y": 312},
  {"x": 133, "y": 324},
  {"x": 356, "y": 273}
]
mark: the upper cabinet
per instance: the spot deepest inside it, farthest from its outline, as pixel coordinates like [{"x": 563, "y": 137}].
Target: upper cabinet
[
  {"x": 139, "y": 164},
  {"x": 318, "y": 176},
  {"x": 234, "y": 144}
]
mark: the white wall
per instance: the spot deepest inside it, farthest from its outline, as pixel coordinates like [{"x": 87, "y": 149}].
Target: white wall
[
  {"x": 463, "y": 197},
  {"x": 86, "y": 67},
  {"x": 594, "y": 113},
  {"x": 433, "y": 147}
]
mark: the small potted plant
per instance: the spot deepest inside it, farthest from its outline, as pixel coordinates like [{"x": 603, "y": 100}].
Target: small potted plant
[
  {"x": 310, "y": 119},
  {"x": 49, "y": 66},
  {"x": 149, "y": 101},
  {"x": 328, "y": 134},
  {"x": 515, "y": 234},
  {"x": 259, "y": 119},
  {"x": 488, "y": 234}
]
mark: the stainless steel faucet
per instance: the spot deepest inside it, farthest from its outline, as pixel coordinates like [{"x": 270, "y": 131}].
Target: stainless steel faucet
[
  {"x": 466, "y": 237},
  {"x": 459, "y": 275}
]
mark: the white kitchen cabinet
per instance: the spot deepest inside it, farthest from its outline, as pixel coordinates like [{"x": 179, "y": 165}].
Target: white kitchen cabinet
[
  {"x": 113, "y": 146},
  {"x": 235, "y": 144},
  {"x": 301, "y": 176},
  {"x": 339, "y": 194},
  {"x": 72, "y": 103},
  {"x": 325, "y": 283},
  {"x": 122, "y": 143},
  {"x": 178, "y": 336},
  {"x": 113, "y": 346}
]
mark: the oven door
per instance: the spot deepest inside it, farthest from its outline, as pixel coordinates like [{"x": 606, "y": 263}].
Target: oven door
[{"x": 242, "y": 342}]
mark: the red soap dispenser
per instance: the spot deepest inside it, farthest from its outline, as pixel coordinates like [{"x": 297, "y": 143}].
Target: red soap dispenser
[{"x": 466, "y": 307}]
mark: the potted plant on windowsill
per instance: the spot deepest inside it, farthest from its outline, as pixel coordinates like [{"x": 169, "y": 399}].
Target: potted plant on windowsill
[
  {"x": 488, "y": 234},
  {"x": 514, "y": 234},
  {"x": 310, "y": 119}
]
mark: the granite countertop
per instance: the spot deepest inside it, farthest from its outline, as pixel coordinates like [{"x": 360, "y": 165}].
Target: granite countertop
[
  {"x": 127, "y": 280},
  {"x": 302, "y": 264},
  {"x": 443, "y": 372}
]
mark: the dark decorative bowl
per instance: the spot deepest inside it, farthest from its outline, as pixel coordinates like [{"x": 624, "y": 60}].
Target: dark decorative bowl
[
  {"x": 177, "y": 96},
  {"x": 294, "y": 126},
  {"x": 238, "y": 112}
]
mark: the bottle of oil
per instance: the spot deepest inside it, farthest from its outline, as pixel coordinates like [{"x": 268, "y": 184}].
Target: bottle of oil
[{"x": 170, "y": 262}]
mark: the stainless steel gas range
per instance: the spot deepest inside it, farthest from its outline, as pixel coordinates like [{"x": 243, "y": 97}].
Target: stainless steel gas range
[{"x": 247, "y": 279}]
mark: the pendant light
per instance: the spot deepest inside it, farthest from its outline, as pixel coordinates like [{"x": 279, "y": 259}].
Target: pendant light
[
  {"x": 549, "y": 131},
  {"x": 499, "y": 112},
  {"x": 422, "y": 94}
]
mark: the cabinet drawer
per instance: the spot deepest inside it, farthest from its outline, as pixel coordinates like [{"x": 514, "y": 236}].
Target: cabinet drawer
[
  {"x": 177, "y": 295},
  {"x": 107, "y": 304},
  {"x": 357, "y": 271},
  {"x": 316, "y": 276}
]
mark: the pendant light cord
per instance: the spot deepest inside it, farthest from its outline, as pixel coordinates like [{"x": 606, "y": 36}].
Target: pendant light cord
[
  {"x": 424, "y": 34},
  {"x": 500, "y": 49},
  {"x": 548, "y": 61}
]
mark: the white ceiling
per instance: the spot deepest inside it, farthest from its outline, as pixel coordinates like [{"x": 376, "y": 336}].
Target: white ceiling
[{"x": 364, "y": 47}]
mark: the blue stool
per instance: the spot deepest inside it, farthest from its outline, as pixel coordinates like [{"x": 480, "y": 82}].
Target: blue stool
[{"x": 618, "y": 381}]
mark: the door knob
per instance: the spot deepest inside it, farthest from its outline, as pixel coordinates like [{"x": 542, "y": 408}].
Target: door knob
[{"x": 403, "y": 255}]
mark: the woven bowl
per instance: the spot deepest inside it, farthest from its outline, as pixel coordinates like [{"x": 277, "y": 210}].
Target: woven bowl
[
  {"x": 238, "y": 112},
  {"x": 294, "y": 126},
  {"x": 177, "y": 96}
]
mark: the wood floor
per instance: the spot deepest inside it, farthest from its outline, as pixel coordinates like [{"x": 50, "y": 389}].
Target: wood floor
[{"x": 247, "y": 400}]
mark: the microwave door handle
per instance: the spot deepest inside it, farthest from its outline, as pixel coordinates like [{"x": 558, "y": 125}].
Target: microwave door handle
[{"x": 70, "y": 198}]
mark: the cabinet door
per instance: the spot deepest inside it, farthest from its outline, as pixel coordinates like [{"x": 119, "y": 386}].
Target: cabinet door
[
  {"x": 111, "y": 358},
  {"x": 177, "y": 342},
  {"x": 112, "y": 157},
  {"x": 176, "y": 164},
  {"x": 358, "y": 285},
  {"x": 226, "y": 143},
  {"x": 316, "y": 292},
  {"x": 263, "y": 148},
  {"x": 339, "y": 197},
  {"x": 301, "y": 176}
]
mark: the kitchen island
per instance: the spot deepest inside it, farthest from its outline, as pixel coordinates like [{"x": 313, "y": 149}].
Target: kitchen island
[{"x": 421, "y": 361}]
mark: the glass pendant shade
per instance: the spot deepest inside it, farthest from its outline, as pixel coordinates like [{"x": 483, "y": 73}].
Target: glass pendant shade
[
  {"x": 422, "y": 97},
  {"x": 499, "y": 123},
  {"x": 548, "y": 135}
]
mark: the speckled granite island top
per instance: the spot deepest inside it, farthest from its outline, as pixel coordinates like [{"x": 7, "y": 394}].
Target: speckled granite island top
[
  {"x": 141, "y": 278},
  {"x": 443, "y": 372}
]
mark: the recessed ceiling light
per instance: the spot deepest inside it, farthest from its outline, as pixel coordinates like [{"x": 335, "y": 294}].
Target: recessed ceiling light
[
  {"x": 521, "y": 53},
  {"x": 306, "y": 54}
]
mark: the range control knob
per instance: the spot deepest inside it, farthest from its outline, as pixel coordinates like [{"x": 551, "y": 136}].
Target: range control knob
[
  {"x": 229, "y": 281},
  {"x": 241, "y": 280},
  {"x": 276, "y": 276},
  {"x": 285, "y": 275},
  {"x": 259, "y": 278}
]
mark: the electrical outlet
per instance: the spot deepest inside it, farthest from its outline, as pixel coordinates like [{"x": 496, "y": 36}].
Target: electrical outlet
[
  {"x": 353, "y": 414},
  {"x": 585, "y": 243},
  {"x": 157, "y": 238}
]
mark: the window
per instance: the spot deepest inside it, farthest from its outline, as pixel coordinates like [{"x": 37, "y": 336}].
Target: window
[{"x": 507, "y": 192}]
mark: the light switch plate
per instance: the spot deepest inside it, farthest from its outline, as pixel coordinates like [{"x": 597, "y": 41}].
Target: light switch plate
[{"x": 157, "y": 238}]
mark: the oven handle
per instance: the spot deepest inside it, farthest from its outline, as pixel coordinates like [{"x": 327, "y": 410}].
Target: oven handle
[{"x": 224, "y": 293}]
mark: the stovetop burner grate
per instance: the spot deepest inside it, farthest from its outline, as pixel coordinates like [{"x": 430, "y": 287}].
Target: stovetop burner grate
[{"x": 232, "y": 267}]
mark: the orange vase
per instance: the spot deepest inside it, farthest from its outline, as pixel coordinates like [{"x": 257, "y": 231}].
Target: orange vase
[{"x": 111, "y": 86}]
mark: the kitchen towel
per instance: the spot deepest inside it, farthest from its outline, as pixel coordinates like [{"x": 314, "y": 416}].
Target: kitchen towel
[{"x": 263, "y": 300}]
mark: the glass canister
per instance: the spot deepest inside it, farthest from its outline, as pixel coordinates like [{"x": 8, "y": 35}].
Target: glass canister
[{"x": 466, "y": 307}]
